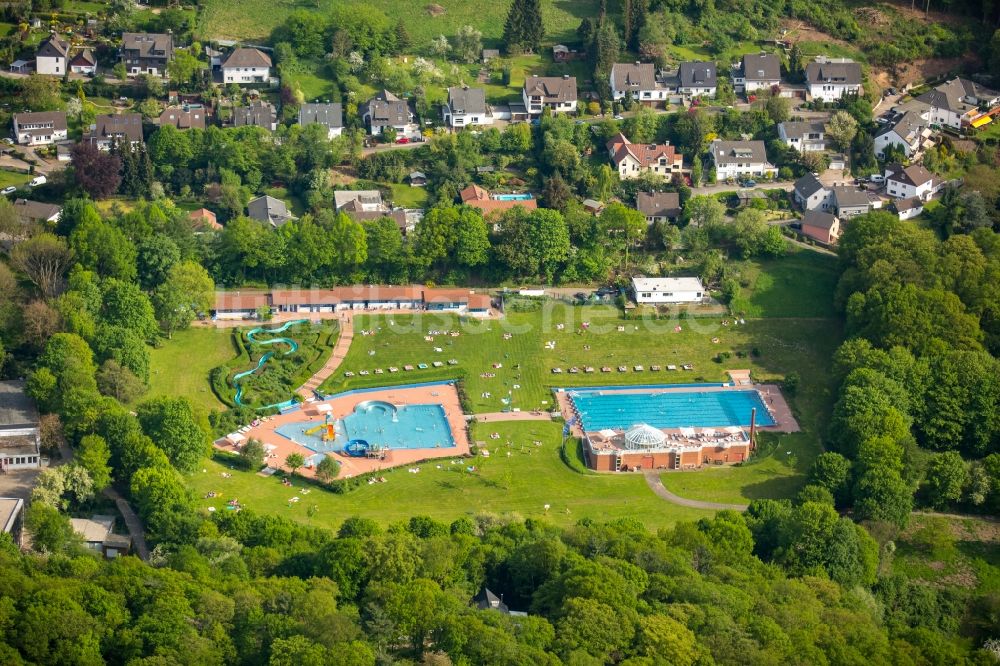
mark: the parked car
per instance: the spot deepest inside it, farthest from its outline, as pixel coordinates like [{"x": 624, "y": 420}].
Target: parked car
[
  {"x": 606, "y": 291},
  {"x": 877, "y": 178},
  {"x": 7, "y": 191},
  {"x": 403, "y": 139},
  {"x": 748, "y": 183},
  {"x": 38, "y": 180},
  {"x": 619, "y": 117}
]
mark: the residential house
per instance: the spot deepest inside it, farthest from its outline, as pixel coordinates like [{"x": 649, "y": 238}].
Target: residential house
[
  {"x": 910, "y": 182},
  {"x": 97, "y": 533},
  {"x": 697, "y": 79},
  {"x": 824, "y": 227},
  {"x": 737, "y": 159},
  {"x": 556, "y": 93},
  {"x": 960, "y": 103},
  {"x": 634, "y": 159},
  {"x": 849, "y": 202},
  {"x": 658, "y": 206},
  {"x": 40, "y": 128},
  {"x": 466, "y": 106},
  {"x": 911, "y": 132},
  {"x": 147, "y": 53},
  {"x": 52, "y": 56},
  {"x": 656, "y": 291},
  {"x": 204, "y": 220},
  {"x": 258, "y": 114},
  {"x": 477, "y": 197},
  {"x": 269, "y": 210},
  {"x": 361, "y": 200},
  {"x": 641, "y": 82},
  {"x": 757, "y": 71},
  {"x": 810, "y": 194},
  {"x": 330, "y": 116},
  {"x": 417, "y": 179},
  {"x": 246, "y": 65},
  {"x": 111, "y": 128},
  {"x": 83, "y": 62},
  {"x": 385, "y": 110},
  {"x": 20, "y": 438},
  {"x": 37, "y": 212},
  {"x": 593, "y": 206},
  {"x": 829, "y": 79},
  {"x": 907, "y": 209},
  {"x": 189, "y": 116},
  {"x": 804, "y": 136},
  {"x": 486, "y": 600}
]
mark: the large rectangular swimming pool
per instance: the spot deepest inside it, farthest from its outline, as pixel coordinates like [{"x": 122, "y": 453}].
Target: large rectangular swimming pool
[{"x": 603, "y": 409}]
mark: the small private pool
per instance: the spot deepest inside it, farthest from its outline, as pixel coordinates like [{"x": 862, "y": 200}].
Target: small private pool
[
  {"x": 523, "y": 196},
  {"x": 380, "y": 424}
]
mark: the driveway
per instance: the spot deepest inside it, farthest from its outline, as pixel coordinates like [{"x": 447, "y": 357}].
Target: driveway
[{"x": 786, "y": 185}]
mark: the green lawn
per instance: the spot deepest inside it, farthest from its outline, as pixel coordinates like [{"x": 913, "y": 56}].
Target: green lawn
[
  {"x": 523, "y": 483},
  {"x": 14, "y": 178},
  {"x": 253, "y": 20},
  {"x": 800, "y": 284},
  {"x": 181, "y": 366},
  {"x": 408, "y": 197},
  {"x": 950, "y": 552}
]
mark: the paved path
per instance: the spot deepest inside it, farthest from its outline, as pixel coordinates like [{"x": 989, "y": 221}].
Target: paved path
[
  {"x": 656, "y": 485},
  {"x": 336, "y": 358},
  {"x": 513, "y": 416},
  {"x": 135, "y": 528},
  {"x": 786, "y": 185}
]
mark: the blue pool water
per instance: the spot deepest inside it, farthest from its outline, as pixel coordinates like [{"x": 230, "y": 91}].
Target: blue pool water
[
  {"x": 688, "y": 409},
  {"x": 380, "y": 424},
  {"x": 513, "y": 197}
]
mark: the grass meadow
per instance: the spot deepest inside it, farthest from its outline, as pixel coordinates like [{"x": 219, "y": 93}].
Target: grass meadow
[
  {"x": 181, "y": 365},
  {"x": 521, "y": 483}
]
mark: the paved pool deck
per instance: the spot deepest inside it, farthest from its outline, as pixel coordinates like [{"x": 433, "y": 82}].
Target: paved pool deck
[{"x": 340, "y": 406}]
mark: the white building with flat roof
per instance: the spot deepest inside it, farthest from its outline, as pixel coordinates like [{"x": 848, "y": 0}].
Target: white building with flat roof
[
  {"x": 668, "y": 290},
  {"x": 20, "y": 439}
]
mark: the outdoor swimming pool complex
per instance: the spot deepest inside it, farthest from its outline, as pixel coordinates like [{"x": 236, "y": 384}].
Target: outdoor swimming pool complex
[
  {"x": 664, "y": 409},
  {"x": 524, "y": 196},
  {"x": 380, "y": 424}
]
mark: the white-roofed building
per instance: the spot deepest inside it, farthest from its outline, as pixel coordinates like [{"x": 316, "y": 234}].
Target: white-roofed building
[{"x": 668, "y": 290}]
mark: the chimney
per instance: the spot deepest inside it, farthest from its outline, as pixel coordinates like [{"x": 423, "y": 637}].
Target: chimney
[{"x": 565, "y": 76}]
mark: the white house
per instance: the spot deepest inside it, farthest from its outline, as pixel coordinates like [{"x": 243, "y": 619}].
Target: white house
[
  {"x": 52, "y": 56},
  {"x": 385, "y": 110},
  {"x": 245, "y": 65},
  {"x": 908, "y": 209},
  {"x": 639, "y": 81},
  {"x": 757, "y": 71},
  {"x": 632, "y": 160},
  {"x": 20, "y": 438},
  {"x": 803, "y": 136},
  {"x": 830, "y": 79},
  {"x": 83, "y": 62},
  {"x": 810, "y": 194},
  {"x": 911, "y": 132},
  {"x": 556, "y": 93},
  {"x": 959, "y": 103},
  {"x": 736, "y": 159},
  {"x": 668, "y": 290},
  {"x": 40, "y": 128},
  {"x": 910, "y": 182},
  {"x": 330, "y": 116},
  {"x": 466, "y": 106},
  {"x": 697, "y": 79}
]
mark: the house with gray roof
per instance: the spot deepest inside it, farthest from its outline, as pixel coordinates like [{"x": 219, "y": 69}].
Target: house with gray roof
[
  {"x": 147, "y": 53},
  {"x": 821, "y": 226},
  {"x": 959, "y": 103},
  {"x": 386, "y": 110},
  {"x": 40, "y": 128},
  {"x": 330, "y": 116},
  {"x": 52, "y": 56},
  {"x": 738, "y": 159},
  {"x": 466, "y": 106},
  {"x": 697, "y": 79},
  {"x": 757, "y": 71},
  {"x": 911, "y": 132},
  {"x": 641, "y": 82},
  {"x": 257, "y": 114},
  {"x": 111, "y": 128},
  {"x": 849, "y": 201},
  {"x": 246, "y": 65},
  {"x": 810, "y": 194},
  {"x": 804, "y": 136},
  {"x": 557, "y": 93},
  {"x": 36, "y": 211},
  {"x": 912, "y": 182},
  {"x": 269, "y": 210},
  {"x": 658, "y": 206},
  {"x": 829, "y": 79}
]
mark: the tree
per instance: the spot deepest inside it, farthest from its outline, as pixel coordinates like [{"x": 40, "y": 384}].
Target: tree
[
  {"x": 945, "y": 478},
  {"x": 881, "y": 494},
  {"x": 623, "y": 226},
  {"x": 170, "y": 423},
  {"x": 778, "y": 109},
  {"x": 40, "y": 93},
  {"x": 607, "y": 51},
  {"x": 556, "y": 192},
  {"x": 44, "y": 259},
  {"x": 294, "y": 460},
  {"x": 468, "y": 44},
  {"x": 155, "y": 256},
  {"x": 841, "y": 129},
  {"x": 126, "y": 306},
  {"x": 102, "y": 247},
  {"x": 39, "y": 321},
  {"x": 183, "y": 67},
  {"x": 831, "y": 471},
  {"x": 663, "y": 637},
  {"x": 524, "y": 28},
  {"x": 704, "y": 211},
  {"x": 93, "y": 455},
  {"x": 51, "y": 531},
  {"x": 119, "y": 382},
  {"x": 186, "y": 293},
  {"x": 327, "y": 469},
  {"x": 96, "y": 172},
  {"x": 252, "y": 454},
  {"x": 472, "y": 243}
]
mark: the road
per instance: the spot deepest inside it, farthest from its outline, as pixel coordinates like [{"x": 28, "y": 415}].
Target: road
[{"x": 656, "y": 485}]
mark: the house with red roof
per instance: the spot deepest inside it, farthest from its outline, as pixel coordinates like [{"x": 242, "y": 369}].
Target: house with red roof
[{"x": 632, "y": 160}]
